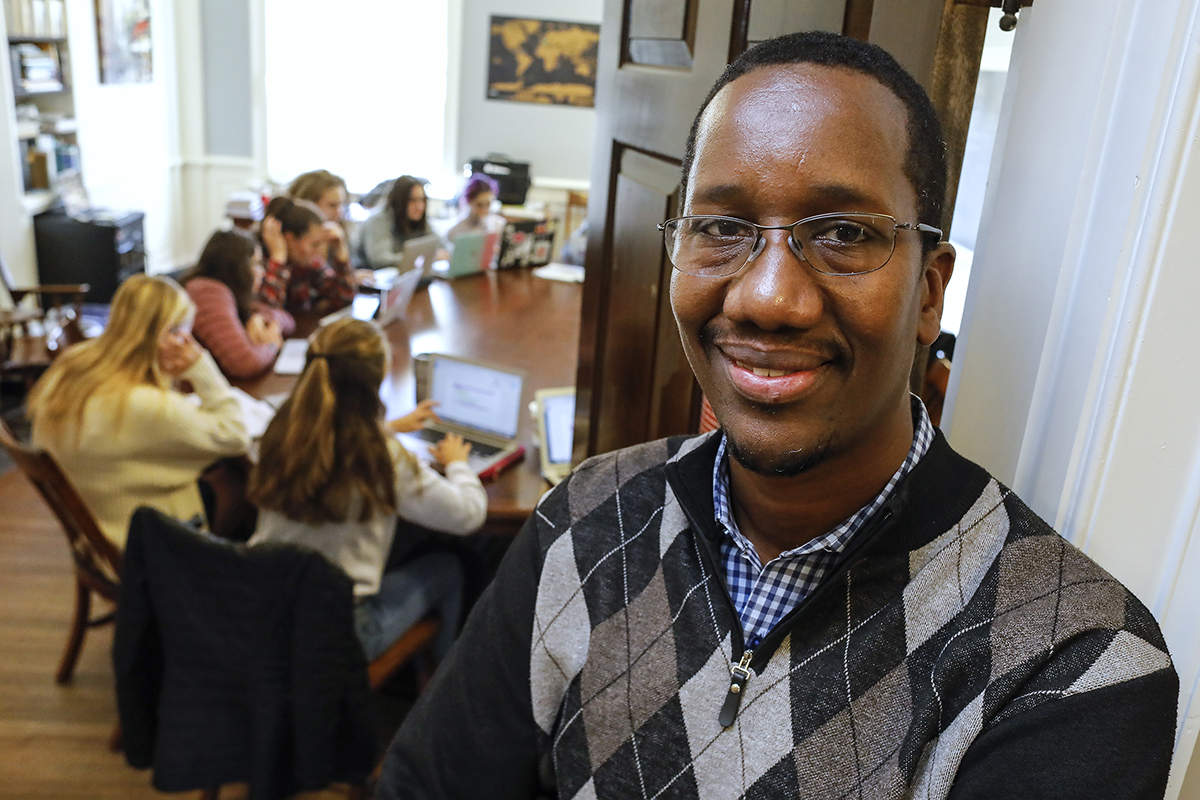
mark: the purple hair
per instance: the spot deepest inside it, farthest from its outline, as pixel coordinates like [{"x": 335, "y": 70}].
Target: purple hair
[{"x": 478, "y": 184}]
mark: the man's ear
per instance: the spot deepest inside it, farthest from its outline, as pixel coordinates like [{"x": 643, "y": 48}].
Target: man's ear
[{"x": 939, "y": 266}]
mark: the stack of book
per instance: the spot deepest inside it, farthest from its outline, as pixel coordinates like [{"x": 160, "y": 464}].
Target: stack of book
[
  {"x": 35, "y": 69},
  {"x": 36, "y": 18}
]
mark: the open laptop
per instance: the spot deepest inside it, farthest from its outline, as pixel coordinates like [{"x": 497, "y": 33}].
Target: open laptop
[
  {"x": 364, "y": 307},
  {"x": 396, "y": 294},
  {"x": 480, "y": 402},
  {"x": 419, "y": 254},
  {"x": 472, "y": 255},
  {"x": 556, "y": 429}
]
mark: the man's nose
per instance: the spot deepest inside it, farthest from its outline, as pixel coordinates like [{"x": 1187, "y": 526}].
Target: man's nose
[{"x": 775, "y": 289}]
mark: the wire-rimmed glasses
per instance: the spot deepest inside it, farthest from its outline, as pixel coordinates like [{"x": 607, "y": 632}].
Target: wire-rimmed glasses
[{"x": 832, "y": 244}]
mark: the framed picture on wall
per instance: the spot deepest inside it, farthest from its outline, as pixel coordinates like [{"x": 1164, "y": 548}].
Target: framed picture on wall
[
  {"x": 123, "y": 36},
  {"x": 542, "y": 61}
]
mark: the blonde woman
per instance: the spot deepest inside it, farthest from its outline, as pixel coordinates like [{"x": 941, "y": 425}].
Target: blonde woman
[
  {"x": 327, "y": 192},
  {"x": 331, "y": 476},
  {"x": 108, "y": 412}
]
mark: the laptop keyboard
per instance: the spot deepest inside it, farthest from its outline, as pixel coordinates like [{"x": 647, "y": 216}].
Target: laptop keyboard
[{"x": 477, "y": 448}]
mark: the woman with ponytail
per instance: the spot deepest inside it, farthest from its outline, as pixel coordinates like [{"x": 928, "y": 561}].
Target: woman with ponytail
[{"x": 331, "y": 476}]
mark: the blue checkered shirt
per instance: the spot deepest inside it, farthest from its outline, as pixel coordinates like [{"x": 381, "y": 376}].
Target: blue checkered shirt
[{"x": 764, "y": 594}]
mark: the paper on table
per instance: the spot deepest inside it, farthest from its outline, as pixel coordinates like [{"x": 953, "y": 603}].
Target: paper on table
[
  {"x": 291, "y": 357},
  {"x": 256, "y": 413},
  {"x": 556, "y": 271}
]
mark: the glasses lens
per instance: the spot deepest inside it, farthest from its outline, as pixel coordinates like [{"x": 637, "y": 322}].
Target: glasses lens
[
  {"x": 846, "y": 244},
  {"x": 708, "y": 246}
]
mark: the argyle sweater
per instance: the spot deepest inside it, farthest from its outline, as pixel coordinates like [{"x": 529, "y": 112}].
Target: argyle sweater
[{"x": 962, "y": 649}]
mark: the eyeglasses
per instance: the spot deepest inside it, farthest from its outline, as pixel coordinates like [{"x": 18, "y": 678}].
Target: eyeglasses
[{"x": 832, "y": 244}]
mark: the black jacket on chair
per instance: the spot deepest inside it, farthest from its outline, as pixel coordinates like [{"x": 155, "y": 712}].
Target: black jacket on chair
[{"x": 238, "y": 664}]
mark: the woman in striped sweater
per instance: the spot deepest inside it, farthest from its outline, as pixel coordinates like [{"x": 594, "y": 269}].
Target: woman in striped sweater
[{"x": 243, "y": 336}]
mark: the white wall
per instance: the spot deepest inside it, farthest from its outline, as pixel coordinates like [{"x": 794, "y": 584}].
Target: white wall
[
  {"x": 555, "y": 140},
  {"x": 218, "y": 79},
  {"x": 128, "y": 133},
  {"x": 1075, "y": 379}
]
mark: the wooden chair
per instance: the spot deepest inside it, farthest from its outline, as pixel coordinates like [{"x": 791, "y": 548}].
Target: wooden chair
[
  {"x": 97, "y": 559},
  {"x": 31, "y": 334}
]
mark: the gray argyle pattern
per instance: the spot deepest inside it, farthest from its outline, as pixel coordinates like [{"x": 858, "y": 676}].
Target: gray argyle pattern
[{"x": 882, "y": 684}]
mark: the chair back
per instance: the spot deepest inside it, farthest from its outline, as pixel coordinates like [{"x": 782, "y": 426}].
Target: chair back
[{"x": 97, "y": 559}]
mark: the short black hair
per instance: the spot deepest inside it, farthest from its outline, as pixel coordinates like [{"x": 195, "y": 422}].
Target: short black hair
[{"x": 925, "y": 165}]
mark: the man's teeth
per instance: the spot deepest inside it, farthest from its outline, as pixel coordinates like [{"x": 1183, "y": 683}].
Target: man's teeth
[{"x": 763, "y": 373}]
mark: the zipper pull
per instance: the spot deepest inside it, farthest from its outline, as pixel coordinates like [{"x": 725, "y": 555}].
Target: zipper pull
[{"x": 739, "y": 676}]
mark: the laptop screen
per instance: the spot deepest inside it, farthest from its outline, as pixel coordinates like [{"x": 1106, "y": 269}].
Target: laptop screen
[
  {"x": 559, "y": 419},
  {"x": 479, "y": 397},
  {"x": 364, "y": 306}
]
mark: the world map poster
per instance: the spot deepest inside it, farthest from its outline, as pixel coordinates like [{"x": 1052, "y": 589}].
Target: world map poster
[{"x": 543, "y": 61}]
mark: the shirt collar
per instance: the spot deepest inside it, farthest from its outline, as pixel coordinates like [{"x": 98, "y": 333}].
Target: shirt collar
[{"x": 834, "y": 540}]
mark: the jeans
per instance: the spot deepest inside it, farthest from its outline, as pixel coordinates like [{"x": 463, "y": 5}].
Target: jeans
[{"x": 432, "y": 582}]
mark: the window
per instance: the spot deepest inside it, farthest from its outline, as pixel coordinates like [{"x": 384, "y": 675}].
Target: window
[{"x": 356, "y": 87}]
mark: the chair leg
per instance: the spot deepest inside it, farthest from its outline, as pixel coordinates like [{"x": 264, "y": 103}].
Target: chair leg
[{"x": 79, "y": 625}]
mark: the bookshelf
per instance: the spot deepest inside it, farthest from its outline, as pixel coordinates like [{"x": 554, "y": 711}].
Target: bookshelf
[{"x": 39, "y": 58}]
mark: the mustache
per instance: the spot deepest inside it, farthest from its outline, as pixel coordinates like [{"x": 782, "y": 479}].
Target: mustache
[{"x": 787, "y": 340}]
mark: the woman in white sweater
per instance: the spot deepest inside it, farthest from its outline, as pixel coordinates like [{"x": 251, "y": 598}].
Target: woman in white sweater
[
  {"x": 108, "y": 412},
  {"x": 331, "y": 476}
]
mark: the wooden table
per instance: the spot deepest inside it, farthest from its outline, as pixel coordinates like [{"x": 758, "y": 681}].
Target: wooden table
[{"x": 507, "y": 317}]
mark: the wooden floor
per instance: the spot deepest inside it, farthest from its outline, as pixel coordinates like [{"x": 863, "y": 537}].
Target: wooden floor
[{"x": 53, "y": 739}]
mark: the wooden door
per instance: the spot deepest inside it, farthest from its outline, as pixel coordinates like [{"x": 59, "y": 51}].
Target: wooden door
[{"x": 657, "y": 61}]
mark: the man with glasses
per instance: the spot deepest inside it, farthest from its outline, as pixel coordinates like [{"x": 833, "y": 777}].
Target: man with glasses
[{"x": 821, "y": 599}]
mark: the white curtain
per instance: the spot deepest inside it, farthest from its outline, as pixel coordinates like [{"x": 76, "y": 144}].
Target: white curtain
[{"x": 357, "y": 87}]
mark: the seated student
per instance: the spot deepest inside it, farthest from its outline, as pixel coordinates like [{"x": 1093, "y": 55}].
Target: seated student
[
  {"x": 331, "y": 477},
  {"x": 327, "y": 192},
  {"x": 480, "y": 194},
  {"x": 298, "y": 278},
  {"x": 242, "y": 335},
  {"x": 106, "y": 409},
  {"x": 402, "y": 218}
]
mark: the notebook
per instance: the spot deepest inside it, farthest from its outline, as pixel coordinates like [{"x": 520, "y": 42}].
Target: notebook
[
  {"x": 290, "y": 360},
  {"x": 481, "y": 403},
  {"x": 556, "y": 429}
]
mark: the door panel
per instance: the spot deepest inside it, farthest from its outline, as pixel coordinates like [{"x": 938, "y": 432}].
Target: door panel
[
  {"x": 661, "y": 33},
  {"x": 771, "y": 18},
  {"x": 646, "y": 187}
]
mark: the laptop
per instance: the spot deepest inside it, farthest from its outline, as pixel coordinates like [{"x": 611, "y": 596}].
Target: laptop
[
  {"x": 419, "y": 254},
  {"x": 556, "y": 429},
  {"x": 472, "y": 254},
  {"x": 481, "y": 403},
  {"x": 364, "y": 307},
  {"x": 396, "y": 294}
]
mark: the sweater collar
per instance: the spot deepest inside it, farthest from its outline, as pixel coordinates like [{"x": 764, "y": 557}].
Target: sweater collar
[{"x": 925, "y": 504}]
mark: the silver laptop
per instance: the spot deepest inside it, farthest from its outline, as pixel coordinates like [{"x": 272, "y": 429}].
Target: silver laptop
[
  {"x": 480, "y": 402},
  {"x": 556, "y": 429},
  {"x": 364, "y": 307},
  {"x": 419, "y": 254},
  {"x": 396, "y": 294}
]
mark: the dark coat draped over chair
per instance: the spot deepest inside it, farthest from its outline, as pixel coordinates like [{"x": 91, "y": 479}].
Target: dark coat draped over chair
[{"x": 238, "y": 664}]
